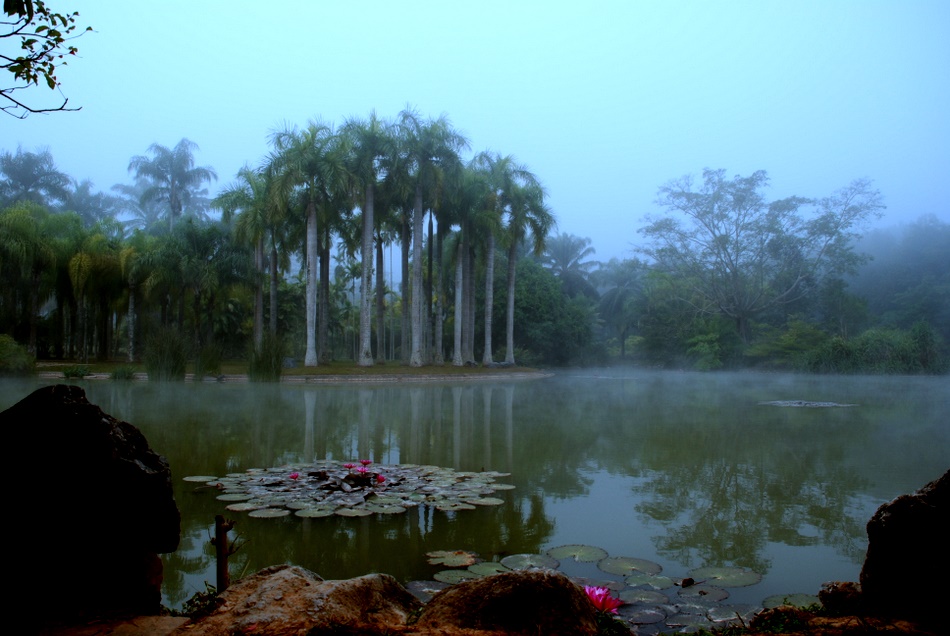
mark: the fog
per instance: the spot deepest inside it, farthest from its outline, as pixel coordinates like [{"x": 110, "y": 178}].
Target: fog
[{"x": 604, "y": 102}]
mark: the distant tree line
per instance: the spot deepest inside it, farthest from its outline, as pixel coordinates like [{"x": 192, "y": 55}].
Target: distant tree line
[{"x": 290, "y": 260}]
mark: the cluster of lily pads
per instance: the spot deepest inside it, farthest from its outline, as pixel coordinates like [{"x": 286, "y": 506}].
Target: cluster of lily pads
[
  {"x": 352, "y": 489},
  {"x": 642, "y": 597}
]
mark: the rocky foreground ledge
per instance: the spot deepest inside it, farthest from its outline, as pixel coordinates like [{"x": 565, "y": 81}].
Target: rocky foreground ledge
[{"x": 99, "y": 467}]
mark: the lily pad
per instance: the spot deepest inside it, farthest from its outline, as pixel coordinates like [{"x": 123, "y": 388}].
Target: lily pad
[
  {"x": 453, "y": 576},
  {"x": 311, "y": 513},
  {"x": 706, "y": 592},
  {"x": 795, "y": 600},
  {"x": 452, "y": 506},
  {"x": 627, "y": 565},
  {"x": 726, "y": 576},
  {"x": 452, "y": 558},
  {"x": 655, "y": 581},
  {"x": 234, "y": 497},
  {"x": 644, "y": 597},
  {"x": 352, "y": 512},
  {"x": 527, "y": 561},
  {"x": 578, "y": 552},
  {"x": 486, "y": 501},
  {"x": 268, "y": 513},
  {"x": 200, "y": 478},
  {"x": 639, "y": 615},
  {"x": 487, "y": 568},
  {"x": 244, "y": 506}
]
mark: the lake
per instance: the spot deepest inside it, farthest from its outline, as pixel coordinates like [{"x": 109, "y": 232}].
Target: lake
[{"x": 682, "y": 469}]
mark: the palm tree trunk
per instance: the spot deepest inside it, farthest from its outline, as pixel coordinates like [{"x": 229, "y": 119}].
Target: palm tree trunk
[
  {"x": 438, "y": 357},
  {"x": 510, "y": 313},
  {"x": 404, "y": 287},
  {"x": 489, "y": 296},
  {"x": 415, "y": 359},
  {"x": 366, "y": 284},
  {"x": 274, "y": 281},
  {"x": 459, "y": 296},
  {"x": 259, "y": 295},
  {"x": 380, "y": 304},
  {"x": 310, "y": 359},
  {"x": 323, "y": 303}
]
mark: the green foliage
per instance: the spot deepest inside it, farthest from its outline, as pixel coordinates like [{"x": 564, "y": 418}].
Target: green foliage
[
  {"x": 14, "y": 359},
  {"x": 880, "y": 351},
  {"x": 208, "y": 361},
  {"x": 44, "y": 37},
  {"x": 786, "y": 349},
  {"x": 201, "y": 603},
  {"x": 165, "y": 355},
  {"x": 123, "y": 373},
  {"x": 267, "y": 364},
  {"x": 78, "y": 371},
  {"x": 705, "y": 349}
]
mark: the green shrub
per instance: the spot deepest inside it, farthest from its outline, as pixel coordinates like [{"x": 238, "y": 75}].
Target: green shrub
[
  {"x": 165, "y": 355},
  {"x": 123, "y": 373},
  {"x": 14, "y": 359},
  {"x": 76, "y": 372},
  {"x": 267, "y": 364}
]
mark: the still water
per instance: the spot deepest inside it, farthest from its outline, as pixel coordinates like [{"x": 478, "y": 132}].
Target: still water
[{"x": 684, "y": 469}]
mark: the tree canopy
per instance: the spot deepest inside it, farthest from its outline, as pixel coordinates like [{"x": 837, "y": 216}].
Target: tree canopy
[{"x": 742, "y": 254}]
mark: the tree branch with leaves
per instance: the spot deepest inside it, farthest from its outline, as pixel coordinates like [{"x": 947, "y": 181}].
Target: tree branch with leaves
[{"x": 45, "y": 38}]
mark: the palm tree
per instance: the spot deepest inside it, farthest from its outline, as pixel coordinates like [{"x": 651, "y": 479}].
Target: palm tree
[
  {"x": 31, "y": 177},
  {"x": 92, "y": 207},
  {"x": 372, "y": 143},
  {"x": 139, "y": 214},
  {"x": 25, "y": 253},
  {"x": 624, "y": 281},
  {"x": 430, "y": 147},
  {"x": 566, "y": 257},
  {"x": 507, "y": 181},
  {"x": 309, "y": 167},
  {"x": 173, "y": 177},
  {"x": 527, "y": 216},
  {"x": 134, "y": 263},
  {"x": 251, "y": 200}
]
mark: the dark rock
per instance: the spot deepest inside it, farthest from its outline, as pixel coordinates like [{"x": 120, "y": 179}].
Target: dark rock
[
  {"x": 908, "y": 556},
  {"x": 522, "y": 602},
  {"x": 842, "y": 598},
  {"x": 94, "y": 506},
  {"x": 287, "y": 599}
]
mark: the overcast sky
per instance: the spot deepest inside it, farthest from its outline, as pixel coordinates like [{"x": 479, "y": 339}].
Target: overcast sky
[{"x": 604, "y": 101}]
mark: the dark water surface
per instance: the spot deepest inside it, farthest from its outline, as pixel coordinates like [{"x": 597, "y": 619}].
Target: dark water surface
[{"x": 684, "y": 469}]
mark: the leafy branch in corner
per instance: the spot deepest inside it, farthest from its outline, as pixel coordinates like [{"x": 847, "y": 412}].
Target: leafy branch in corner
[{"x": 45, "y": 38}]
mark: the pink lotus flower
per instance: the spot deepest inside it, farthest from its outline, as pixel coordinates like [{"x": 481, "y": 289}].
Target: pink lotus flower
[
  {"x": 380, "y": 479},
  {"x": 602, "y": 600},
  {"x": 366, "y": 462},
  {"x": 349, "y": 466},
  {"x": 361, "y": 470},
  {"x": 294, "y": 475}
]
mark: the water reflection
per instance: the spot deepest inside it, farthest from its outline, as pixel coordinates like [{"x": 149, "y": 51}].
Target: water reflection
[{"x": 683, "y": 469}]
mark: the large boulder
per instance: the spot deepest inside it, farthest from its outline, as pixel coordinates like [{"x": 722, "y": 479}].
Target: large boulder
[
  {"x": 908, "y": 556},
  {"x": 93, "y": 507},
  {"x": 287, "y": 599},
  {"x": 522, "y": 602}
]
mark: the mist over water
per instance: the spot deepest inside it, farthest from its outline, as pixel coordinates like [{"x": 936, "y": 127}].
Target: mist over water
[{"x": 685, "y": 469}]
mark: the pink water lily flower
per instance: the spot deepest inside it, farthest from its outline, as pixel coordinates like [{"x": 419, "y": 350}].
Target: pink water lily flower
[
  {"x": 366, "y": 462},
  {"x": 380, "y": 479},
  {"x": 294, "y": 475},
  {"x": 349, "y": 466},
  {"x": 361, "y": 470},
  {"x": 602, "y": 600}
]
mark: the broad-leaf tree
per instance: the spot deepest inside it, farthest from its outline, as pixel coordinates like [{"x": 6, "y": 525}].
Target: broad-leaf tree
[{"x": 743, "y": 254}]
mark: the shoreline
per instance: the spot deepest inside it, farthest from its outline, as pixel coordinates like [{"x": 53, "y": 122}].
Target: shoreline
[{"x": 369, "y": 378}]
